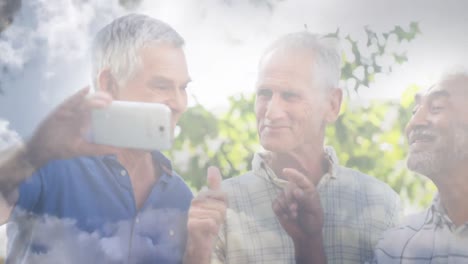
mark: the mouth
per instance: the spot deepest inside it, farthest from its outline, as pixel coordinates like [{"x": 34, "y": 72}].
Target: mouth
[
  {"x": 421, "y": 139},
  {"x": 274, "y": 128}
]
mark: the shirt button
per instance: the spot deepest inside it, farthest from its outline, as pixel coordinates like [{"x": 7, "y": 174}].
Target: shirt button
[
  {"x": 123, "y": 173},
  {"x": 171, "y": 232}
]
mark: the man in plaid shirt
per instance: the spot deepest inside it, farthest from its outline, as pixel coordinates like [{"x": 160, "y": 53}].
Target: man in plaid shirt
[
  {"x": 297, "y": 205},
  {"x": 438, "y": 148}
]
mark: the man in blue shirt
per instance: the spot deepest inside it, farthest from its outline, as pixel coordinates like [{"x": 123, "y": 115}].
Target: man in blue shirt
[{"x": 68, "y": 200}]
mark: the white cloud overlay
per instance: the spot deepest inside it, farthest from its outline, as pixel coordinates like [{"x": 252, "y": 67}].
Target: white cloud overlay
[
  {"x": 61, "y": 241},
  {"x": 7, "y": 138},
  {"x": 44, "y": 54}
]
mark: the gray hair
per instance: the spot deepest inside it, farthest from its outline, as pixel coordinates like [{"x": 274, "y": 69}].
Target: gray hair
[
  {"x": 326, "y": 50},
  {"x": 454, "y": 74},
  {"x": 116, "y": 46}
]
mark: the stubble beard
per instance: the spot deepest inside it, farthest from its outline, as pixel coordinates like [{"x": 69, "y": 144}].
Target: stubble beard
[{"x": 438, "y": 161}]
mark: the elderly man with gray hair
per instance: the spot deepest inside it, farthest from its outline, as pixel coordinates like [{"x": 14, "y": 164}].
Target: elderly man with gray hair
[
  {"x": 438, "y": 149},
  {"x": 297, "y": 204},
  {"x": 61, "y": 192}
]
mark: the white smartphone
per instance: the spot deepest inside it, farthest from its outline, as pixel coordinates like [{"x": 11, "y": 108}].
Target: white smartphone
[{"x": 134, "y": 125}]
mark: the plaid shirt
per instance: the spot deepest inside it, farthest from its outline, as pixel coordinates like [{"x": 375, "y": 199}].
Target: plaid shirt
[
  {"x": 357, "y": 209},
  {"x": 428, "y": 237}
]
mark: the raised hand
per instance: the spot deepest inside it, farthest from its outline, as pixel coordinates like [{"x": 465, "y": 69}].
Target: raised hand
[
  {"x": 62, "y": 134},
  {"x": 300, "y": 213},
  {"x": 206, "y": 215}
]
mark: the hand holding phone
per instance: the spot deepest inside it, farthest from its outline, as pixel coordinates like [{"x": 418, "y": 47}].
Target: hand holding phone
[{"x": 134, "y": 125}]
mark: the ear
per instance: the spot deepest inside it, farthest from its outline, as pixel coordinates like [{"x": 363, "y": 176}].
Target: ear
[
  {"x": 335, "y": 98},
  {"x": 107, "y": 83}
]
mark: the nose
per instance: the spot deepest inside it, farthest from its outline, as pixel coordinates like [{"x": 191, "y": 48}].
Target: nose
[
  {"x": 177, "y": 102},
  {"x": 275, "y": 108}
]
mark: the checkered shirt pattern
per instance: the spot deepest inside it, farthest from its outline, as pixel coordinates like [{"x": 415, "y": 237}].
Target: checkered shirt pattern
[
  {"x": 427, "y": 237},
  {"x": 357, "y": 209}
]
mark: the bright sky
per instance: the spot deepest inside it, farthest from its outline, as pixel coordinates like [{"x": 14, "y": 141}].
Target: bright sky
[
  {"x": 45, "y": 48},
  {"x": 225, "y": 67}
]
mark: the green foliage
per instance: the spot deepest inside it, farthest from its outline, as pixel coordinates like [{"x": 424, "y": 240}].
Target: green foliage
[
  {"x": 227, "y": 141},
  {"x": 369, "y": 139},
  {"x": 367, "y": 57},
  {"x": 130, "y": 4}
]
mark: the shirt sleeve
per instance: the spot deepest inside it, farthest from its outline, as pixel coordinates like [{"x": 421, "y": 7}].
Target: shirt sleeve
[
  {"x": 30, "y": 191},
  {"x": 396, "y": 212}
]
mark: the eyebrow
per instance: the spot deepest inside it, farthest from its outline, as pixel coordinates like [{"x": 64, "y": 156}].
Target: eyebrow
[
  {"x": 163, "y": 80},
  {"x": 160, "y": 80},
  {"x": 437, "y": 94}
]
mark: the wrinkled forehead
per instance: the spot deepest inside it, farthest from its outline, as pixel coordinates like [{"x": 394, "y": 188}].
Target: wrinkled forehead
[
  {"x": 287, "y": 64},
  {"x": 453, "y": 92},
  {"x": 430, "y": 94},
  {"x": 450, "y": 89}
]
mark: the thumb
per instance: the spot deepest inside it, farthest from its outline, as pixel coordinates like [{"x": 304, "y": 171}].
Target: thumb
[{"x": 214, "y": 178}]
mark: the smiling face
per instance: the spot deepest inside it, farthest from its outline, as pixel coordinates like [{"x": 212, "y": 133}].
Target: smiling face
[
  {"x": 438, "y": 130},
  {"x": 291, "y": 107}
]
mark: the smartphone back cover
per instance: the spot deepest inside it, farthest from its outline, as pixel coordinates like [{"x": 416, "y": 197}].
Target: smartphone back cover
[{"x": 133, "y": 125}]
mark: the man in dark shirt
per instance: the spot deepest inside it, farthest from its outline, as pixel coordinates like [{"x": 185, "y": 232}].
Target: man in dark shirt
[{"x": 68, "y": 200}]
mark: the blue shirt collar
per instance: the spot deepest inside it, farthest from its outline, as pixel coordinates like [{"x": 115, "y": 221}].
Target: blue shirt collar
[
  {"x": 158, "y": 158},
  {"x": 162, "y": 160}
]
